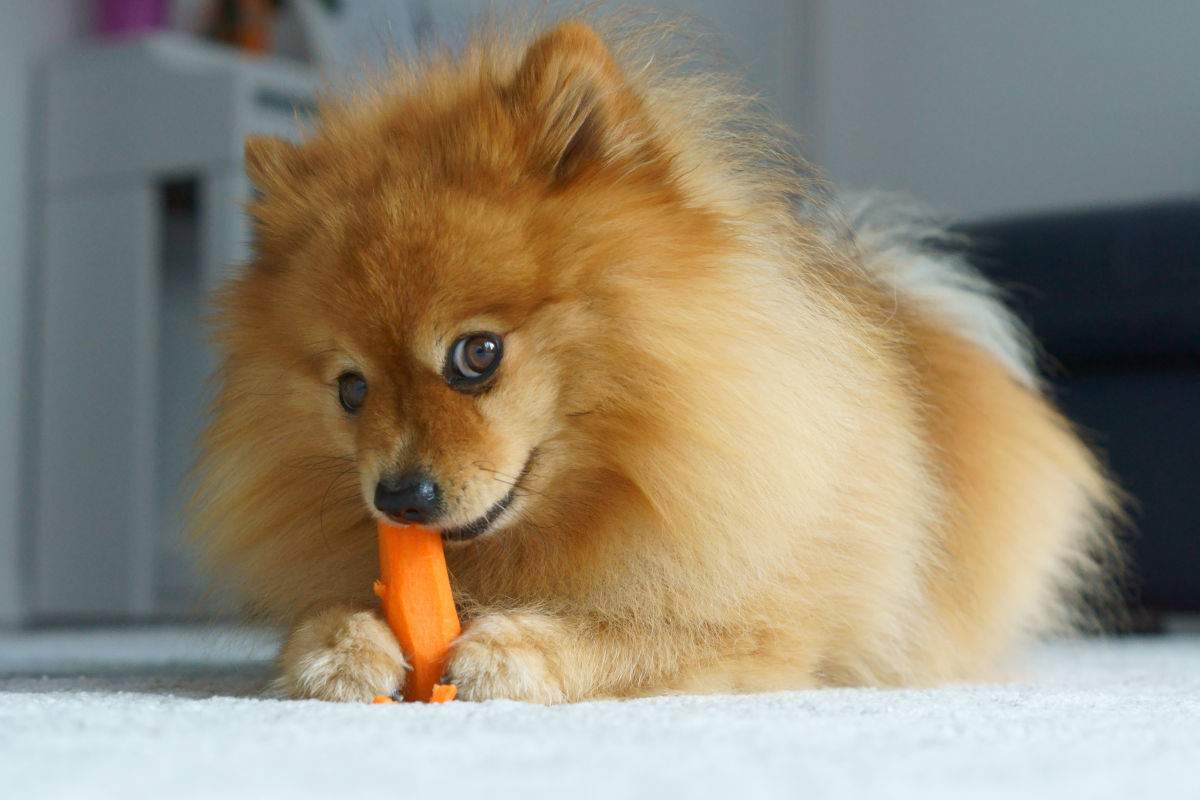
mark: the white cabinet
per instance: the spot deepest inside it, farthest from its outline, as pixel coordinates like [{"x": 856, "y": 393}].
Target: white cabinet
[{"x": 140, "y": 211}]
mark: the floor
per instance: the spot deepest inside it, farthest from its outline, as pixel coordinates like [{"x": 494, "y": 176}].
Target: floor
[{"x": 177, "y": 712}]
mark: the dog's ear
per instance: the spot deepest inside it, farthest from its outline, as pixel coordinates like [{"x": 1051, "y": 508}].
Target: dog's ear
[
  {"x": 570, "y": 98},
  {"x": 279, "y": 170},
  {"x": 272, "y": 163}
]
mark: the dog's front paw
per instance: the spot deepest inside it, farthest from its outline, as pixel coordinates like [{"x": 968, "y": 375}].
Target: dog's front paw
[
  {"x": 343, "y": 654},
  {"x": 509, "y": 656}
]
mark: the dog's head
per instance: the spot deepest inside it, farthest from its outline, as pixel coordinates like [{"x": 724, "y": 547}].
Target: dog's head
[{"x": 434, "y": 273}]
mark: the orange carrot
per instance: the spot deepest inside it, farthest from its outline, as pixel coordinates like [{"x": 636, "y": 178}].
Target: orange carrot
[
  {"x": 419, "y": 606},
  {"x": 443, "y": 692}
]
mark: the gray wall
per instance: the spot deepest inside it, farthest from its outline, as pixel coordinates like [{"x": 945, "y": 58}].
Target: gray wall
[
  {"x": 760, "y": 36},
  {"x": 986, "y": 107},
  {"x": 27, "y": 30},
  {"x": 976, "y": 107}
]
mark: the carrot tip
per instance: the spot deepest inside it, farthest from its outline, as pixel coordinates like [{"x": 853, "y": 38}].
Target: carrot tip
[
  {"x": 382, "y": 698},
  {"x": 443, "y": 692}
]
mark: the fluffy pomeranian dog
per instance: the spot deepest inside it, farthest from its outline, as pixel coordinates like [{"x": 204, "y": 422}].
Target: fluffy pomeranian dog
[{"x": 685, "y": 423}]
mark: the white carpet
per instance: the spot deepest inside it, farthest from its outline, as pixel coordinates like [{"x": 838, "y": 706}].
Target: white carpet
[{"x": 174, "y": 713}]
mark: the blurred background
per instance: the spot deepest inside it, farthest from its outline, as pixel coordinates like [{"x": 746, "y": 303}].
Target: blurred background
[{"x": 1064, "y": 136}]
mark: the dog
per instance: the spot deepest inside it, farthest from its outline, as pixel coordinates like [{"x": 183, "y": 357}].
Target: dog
[{"x": 686, "y": 422}]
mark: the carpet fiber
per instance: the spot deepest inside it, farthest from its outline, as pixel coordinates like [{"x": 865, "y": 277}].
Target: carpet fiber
[{"x": 177, "y": 712}]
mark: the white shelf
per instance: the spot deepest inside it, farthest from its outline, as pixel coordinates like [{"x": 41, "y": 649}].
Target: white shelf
[{"x": 119, "y": 354}]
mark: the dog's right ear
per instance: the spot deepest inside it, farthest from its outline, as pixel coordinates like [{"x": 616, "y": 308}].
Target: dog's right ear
[
  {"x": 272, "y": 163},
  {"x": 573, "y": 103}
]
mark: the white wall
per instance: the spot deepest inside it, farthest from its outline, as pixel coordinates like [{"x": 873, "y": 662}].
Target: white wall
[
  {"x": 992, "y": 107},
  {"x": 759, "y": 36},
  {"x": 27, "y": 31},
  {"x": 975, "y": 107}
]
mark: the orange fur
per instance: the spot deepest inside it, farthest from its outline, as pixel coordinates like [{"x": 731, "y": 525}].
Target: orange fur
[{"x": 743, "y": 460}]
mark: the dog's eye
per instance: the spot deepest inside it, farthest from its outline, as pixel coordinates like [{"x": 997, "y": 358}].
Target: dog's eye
[
  {"x": 352, "y": 391},
  {"x": 472, "y": 360}
]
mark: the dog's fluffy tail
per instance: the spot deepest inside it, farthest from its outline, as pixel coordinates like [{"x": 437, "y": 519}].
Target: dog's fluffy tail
[{"x": 906, "y": 248}]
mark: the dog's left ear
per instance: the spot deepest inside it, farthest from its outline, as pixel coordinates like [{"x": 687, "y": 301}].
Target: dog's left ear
[
  {"x": 272, "y": 163},
  {"x": 570, "y": 96}
]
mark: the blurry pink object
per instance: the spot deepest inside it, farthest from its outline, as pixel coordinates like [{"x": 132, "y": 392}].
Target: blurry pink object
[{"x": 128, "y": 17}]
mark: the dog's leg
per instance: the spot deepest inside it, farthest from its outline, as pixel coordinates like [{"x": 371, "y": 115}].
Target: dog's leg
[
  {"x": 344, "y": 653},
  {"x": 539, "y": 658}
]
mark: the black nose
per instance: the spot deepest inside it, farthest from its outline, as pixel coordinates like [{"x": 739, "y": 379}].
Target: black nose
[{"x": 414, "y": 497}]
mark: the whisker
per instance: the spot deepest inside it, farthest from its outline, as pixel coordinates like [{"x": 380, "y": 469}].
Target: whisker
[{"x": 513, "y": 481}]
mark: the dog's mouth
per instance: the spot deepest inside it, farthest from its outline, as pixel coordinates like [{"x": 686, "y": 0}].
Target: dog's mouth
[{"x": 480, "y": 526}]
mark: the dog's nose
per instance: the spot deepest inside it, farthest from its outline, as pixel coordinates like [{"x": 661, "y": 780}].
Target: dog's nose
[{"x": 414, "y": 497}]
